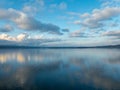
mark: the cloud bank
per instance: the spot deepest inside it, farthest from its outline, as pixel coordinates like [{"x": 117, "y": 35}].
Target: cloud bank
[
  {"x": 25, "y": 22},
  {"x": 98, "y": 16}
]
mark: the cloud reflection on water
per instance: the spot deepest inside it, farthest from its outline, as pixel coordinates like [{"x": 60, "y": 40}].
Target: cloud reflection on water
[{"x": 60, "y": 69}]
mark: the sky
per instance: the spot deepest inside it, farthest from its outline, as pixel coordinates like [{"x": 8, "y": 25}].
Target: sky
[{"x": 59, "y": 23}]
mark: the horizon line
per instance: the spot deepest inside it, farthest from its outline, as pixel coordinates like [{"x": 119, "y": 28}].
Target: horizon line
[{"x": 17, "y": 46}]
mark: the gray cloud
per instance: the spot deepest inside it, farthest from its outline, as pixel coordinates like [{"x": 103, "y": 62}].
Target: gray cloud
[
  {"x": 112, "y": 36},
  {"x": 7, "y": 42},
  {"x": 112, "y": 33},
  {"x": 115, "y": 24},
  {"x": 25, "y": 22},
  {"x": 6, "y": 28},
  {"x": 65, "y": 30},
  {"x": 78, "y": 33},
  {"x": 98, "y": 16},
  {"x": 39, "y": 42}
]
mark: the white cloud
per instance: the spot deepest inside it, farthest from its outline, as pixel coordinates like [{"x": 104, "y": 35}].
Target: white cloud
[
  {"x": 60, "y": 6},
  {"x": 110, "y": 3},
  {"x": 22, "y": 37},
  {"x": 25, "y": 22},
  {"x": 74, "y": 14},
  {"x": 34, "y": 6},
  {"x": 78, "y": 22},
  {"x": 7, "y": 37},
  {"x": 98, "y": 16},
  {"x": 18, "y": 38},
  {"x": 115, "y": 33},
  {"x": 85, "y": 15}
]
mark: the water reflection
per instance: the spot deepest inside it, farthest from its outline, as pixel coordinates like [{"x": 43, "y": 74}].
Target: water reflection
[{"x": 60, "y": 69}]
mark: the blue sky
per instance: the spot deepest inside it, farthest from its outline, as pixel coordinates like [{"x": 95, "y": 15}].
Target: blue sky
[{"x": 59, "y": 22}]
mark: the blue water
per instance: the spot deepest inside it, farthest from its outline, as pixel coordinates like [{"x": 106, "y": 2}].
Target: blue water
[{"x": 60, "y": 69}]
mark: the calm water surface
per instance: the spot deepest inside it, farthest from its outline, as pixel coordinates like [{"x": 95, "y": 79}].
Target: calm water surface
[{"x": 60, "y": 69}]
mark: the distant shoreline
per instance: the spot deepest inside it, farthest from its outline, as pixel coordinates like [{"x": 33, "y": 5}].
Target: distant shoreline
[{"x": 30, "y": 47}]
